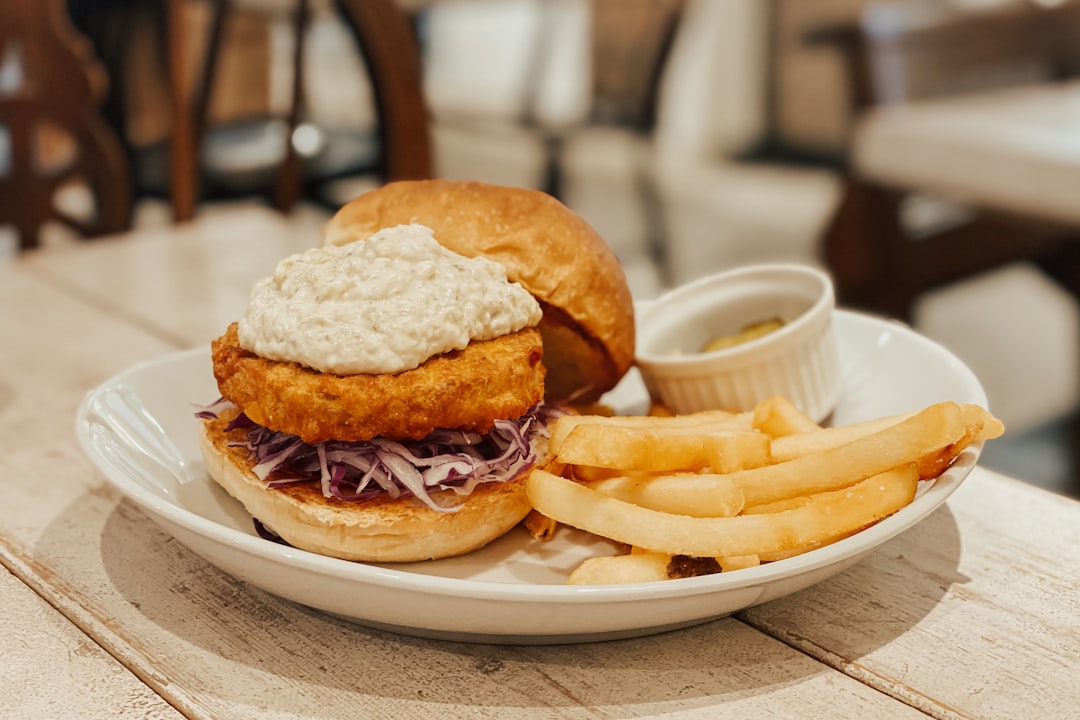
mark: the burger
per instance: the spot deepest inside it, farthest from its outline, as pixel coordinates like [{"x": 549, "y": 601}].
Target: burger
[{"x": 385, "y": 395}]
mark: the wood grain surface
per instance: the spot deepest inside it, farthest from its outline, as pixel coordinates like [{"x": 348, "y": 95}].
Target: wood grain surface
[
  {"x": 971, "y": 614},
  {"x": 51, "y": 669}
]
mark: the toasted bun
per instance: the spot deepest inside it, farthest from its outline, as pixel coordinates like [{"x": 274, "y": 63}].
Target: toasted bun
[
  {"x": 379, "y": 530},
  {"x": 588, "y": 324}
]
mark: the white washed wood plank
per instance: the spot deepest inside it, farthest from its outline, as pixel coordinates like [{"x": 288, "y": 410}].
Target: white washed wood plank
[
  {"x": 217, "y": 648},
  {"x": 184, "y": 282},
  {"x": 51, "y": 669},
  {"x": 973, "y": 613},
  {"x": 182, "y": 309}
]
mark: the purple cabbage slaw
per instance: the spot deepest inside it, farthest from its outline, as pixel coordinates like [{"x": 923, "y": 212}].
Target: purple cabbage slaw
[{"x": 453, "y": 460}]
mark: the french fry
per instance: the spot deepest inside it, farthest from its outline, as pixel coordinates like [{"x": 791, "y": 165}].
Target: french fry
[
  {"x": 938, "y": 462},
  {"x": 717, "y": 492},
  {"x": 990, "y": 426},
  {"x": 738, "y": 562},
  {"x": 723, "y": 564},
  {"x": 980, "y": 425},
  {"x": 709, "y": 420},
  {"x": 541, "y": 527},
  {"x": 785, "y": 554},
  {"x": 790, "y": 447},
  {"x": 793, "y": 446},
  {"x": 696, "y": 495},
  {"x": 668, "y": 449},
  {"x": 621, "y": 569},
  {"x": 778, "y": 417},
  {"x": 589, "y": 474},
  {"x": 901, "y": 443},
  {"x": 649, "y": 566},
  {"x": 825, "y": 515},
  {"x": 775, "y": 506}
]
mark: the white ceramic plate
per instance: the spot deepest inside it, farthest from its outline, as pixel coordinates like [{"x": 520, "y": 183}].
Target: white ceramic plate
[{"x": 139, "y": 429}]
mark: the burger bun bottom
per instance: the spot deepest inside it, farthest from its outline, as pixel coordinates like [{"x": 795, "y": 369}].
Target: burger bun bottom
[{"x": 378, "y": 530}]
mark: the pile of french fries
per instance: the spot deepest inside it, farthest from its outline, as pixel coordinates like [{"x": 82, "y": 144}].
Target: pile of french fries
[{"x": 719, "y": 491}]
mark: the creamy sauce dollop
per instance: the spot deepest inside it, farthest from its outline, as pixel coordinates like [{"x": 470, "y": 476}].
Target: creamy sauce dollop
[{"x": 381, "y": 305}]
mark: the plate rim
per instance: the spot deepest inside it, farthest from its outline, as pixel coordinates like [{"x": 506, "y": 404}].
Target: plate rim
[{"x": 402, "y": 579}]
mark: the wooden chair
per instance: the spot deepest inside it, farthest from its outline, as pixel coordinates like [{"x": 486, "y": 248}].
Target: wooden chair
[
  {"x": 629, "y": 44},
  {"x": 386, "y": 40},
  {"x": 969, "y": 107},
  {"x": 56, "y": 138}
]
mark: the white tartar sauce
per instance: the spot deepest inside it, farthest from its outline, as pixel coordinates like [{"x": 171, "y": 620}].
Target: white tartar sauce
[{"x": 381, "y": 305}]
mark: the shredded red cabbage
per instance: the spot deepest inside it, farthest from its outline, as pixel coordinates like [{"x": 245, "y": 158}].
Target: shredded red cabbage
[{"x": 452, "y": 460}]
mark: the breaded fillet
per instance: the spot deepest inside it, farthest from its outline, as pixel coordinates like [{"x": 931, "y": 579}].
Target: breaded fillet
[{"x": 467, "y": 389}]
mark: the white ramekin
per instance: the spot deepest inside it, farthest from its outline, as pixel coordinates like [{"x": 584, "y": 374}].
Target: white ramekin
[{"x": 798, "y": 361}]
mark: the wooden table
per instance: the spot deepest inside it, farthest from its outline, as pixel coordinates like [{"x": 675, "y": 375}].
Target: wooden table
[{"x": 971, "y": 614}]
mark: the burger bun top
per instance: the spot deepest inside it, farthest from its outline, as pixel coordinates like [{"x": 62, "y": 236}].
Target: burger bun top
[{"x": 588, "y": 321}]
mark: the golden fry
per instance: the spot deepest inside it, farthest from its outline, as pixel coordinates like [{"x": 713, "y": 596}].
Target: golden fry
[
  {"x": 901, "y": 443},
  {"x": 643, "y": 448},
  {"x": 541, "y": 527},
  {"x": 649, "y": 566},
  {"x": 738, "y": 562},
  {"x": 775, "y": 506},
  {"x": 711, "y": 420},
  {"x": 778, "y": 417},
  {"x": 717, "y": 491},
  {"x": 825, "y": 515},
  {"x": 785, "y": 554},
  {"x": 683, "y": 494},
  {"x": 790, "y": 447},
  {"x": 807, "y": 443},
  {"x": 989, "y": 427},
  {"x": 621, "y": 569},
  {"x": 589, "y": 474}
]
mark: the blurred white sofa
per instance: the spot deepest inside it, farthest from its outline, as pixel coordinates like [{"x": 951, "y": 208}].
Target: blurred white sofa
[
  {"x": 719, "y": 211},
  {"x": 509, "y": 82}
]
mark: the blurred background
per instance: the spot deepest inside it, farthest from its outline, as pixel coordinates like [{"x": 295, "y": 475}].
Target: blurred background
[{"x": 926, "y": 152}]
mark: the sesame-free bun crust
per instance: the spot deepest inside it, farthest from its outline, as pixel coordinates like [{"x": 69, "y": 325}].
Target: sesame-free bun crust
[
  {"x": 588, "y": 323},
  {"x": 378, "y": 530}
]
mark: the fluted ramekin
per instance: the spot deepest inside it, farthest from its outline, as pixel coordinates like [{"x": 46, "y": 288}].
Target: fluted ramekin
[{"x": 799, "y": 360}]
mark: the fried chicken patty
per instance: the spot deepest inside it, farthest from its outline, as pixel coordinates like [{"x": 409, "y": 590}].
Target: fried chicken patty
[{"x": 467, "y": 389}]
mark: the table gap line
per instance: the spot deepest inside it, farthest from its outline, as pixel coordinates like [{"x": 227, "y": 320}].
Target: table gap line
[
  {"x": 887, "y": 686},
  {"x": 66, "y": 602}
]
